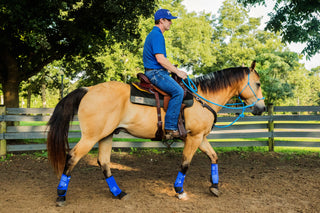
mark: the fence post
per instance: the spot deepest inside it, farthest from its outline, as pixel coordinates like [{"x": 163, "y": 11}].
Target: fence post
[
  {"x": 271, "y": 126},
  {"x": 3, "y": 128}
]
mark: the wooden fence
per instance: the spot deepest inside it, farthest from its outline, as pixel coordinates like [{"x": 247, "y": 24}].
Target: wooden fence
[{"x": 297, "y": 126}]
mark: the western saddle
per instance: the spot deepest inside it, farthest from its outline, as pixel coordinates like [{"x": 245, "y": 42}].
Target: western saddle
[{"x": 146, "y": 85}]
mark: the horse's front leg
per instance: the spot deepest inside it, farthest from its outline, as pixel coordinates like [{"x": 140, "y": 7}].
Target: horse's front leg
[
  {"x": 214, "y": 177},
  {"x": 191, "y": 145},
  {"x": 105, "y": 148}
]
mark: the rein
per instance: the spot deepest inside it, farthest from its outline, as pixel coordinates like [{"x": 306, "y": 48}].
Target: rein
[{"x": 193, "y": 89}]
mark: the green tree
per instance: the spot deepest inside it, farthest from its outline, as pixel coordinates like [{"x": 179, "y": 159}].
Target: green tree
[
  {"x": 314, "y": 76},
  {"x": 236, "y": 36},
  {"x": 117, "y": 62},
  {"x": 189, "y": 40},
  {"x": 315, "y": 71},
  {"x": 240, "y": 42},
  {"x": 42, "y": 84},
  {"x": 35, "y": 33},
  {"x": 188, "y": 44},
  {"x": 296, "y": 20}
]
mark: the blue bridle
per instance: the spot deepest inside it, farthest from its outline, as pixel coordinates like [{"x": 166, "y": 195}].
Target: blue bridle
[{"x": 192, "y": 87}]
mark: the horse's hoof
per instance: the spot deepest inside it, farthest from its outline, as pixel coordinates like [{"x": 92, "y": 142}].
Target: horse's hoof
[
  {"x": 182, "y": 196},
  {"x": 61, "y": 201},
  {"x": 122, "y": 196},
  {"x": 215, "y": 191}
]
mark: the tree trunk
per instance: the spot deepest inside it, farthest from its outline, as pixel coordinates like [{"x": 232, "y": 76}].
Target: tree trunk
[
  {"x": 9, "y": 78},
  {"x": 10, "y": 86},
  {"x": 29, "y": 97},
  {"x": 43, "y": 93},
  {"x": 11, "y": 96}
]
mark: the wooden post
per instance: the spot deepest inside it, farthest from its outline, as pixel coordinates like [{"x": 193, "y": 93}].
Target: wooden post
[
  {"x": 271, "y": 127},
  {"x": 3, "y": 128}
]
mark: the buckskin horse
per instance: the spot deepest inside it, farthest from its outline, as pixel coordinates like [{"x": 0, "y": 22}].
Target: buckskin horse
[{"x": 106, "y": 107}]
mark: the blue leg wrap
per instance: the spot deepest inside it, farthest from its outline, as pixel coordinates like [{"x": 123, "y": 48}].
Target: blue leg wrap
[
  {"x": 63, "y": 185},
  {"x": 114, "y": 188},
  {"x": 214, "y": 174},
  {"x": 178, "y": 185}
]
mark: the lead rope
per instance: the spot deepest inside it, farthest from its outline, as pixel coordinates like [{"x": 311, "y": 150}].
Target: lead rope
[{"x": 192, "y": 87}]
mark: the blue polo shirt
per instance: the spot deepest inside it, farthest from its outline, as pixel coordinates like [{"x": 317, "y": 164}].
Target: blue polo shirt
[{"x": 154, "y": 44}]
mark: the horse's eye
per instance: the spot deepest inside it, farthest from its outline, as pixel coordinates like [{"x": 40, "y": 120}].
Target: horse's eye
[{"x": 258, "y": 85}]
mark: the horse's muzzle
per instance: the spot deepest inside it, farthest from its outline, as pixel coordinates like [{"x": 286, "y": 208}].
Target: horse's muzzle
[{"x": 258, "y": 109}]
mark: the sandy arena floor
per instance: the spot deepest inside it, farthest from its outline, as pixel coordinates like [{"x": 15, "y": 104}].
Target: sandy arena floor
[{"x": 249, "y": 182}]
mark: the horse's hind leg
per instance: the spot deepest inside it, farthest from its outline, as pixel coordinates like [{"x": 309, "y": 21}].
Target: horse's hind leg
[
  {"x": 105, "y": 147},
  {"x": 81, "y": 149},
  {"x": 214, "y": 177}
]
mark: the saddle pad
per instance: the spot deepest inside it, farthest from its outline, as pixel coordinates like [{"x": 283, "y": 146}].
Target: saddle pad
[{"x": 140, "y": 97}]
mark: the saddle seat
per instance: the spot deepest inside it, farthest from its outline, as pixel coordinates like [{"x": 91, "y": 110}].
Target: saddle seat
[{"x": 147, "y": 86}]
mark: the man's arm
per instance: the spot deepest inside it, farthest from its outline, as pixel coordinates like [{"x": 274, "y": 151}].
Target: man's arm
[{"x": 170, "y": 67}]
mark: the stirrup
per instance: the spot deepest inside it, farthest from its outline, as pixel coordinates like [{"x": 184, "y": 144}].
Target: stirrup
[{"x": 172, "y": 134}]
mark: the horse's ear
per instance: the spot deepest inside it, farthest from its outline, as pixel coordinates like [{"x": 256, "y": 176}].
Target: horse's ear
[{"x": 253, "y": 65}]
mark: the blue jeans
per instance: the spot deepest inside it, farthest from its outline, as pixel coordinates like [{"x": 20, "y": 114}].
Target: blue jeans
[{"x": 162, "y": 79}]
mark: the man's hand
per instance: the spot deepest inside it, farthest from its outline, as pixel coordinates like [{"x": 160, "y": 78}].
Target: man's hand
[{"x": 182, "y": 74}]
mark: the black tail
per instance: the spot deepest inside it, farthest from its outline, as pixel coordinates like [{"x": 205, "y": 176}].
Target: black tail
[{"x": 57, "y": 140}]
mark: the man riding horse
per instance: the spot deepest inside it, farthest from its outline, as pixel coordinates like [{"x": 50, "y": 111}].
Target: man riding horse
[{"x": 158, "y": 67}]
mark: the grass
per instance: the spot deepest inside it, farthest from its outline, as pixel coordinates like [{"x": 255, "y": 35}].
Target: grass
[
  {"x": 288, "y": 152},
  {"x": 298, "y": 150}
]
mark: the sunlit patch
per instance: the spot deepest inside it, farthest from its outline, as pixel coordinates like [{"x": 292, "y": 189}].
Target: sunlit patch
[
  {"x": 93, "y": 162},
  {"x": 167, "y": 190},
  {"x": 123, "y": 167}
]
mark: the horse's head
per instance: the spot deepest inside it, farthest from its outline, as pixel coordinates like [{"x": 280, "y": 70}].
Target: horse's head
[{"x": 250, "y": 91}]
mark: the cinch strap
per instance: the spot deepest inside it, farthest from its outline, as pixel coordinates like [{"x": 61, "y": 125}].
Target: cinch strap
[
  {"x": 178, "y": 185},
  {"x": 114, "y": 188},
  {"x": 214, "y": 174},
  {"x": 63, "y": 185}
]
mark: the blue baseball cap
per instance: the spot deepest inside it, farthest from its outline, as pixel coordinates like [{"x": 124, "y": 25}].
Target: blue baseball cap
[{"x": 163, "y": 13}]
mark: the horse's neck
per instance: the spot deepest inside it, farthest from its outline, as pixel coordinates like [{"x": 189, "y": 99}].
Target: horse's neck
[{"x": 220, "y": 97}]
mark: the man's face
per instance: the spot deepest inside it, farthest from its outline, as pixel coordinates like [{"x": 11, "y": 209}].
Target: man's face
[{"x": 166, "y": 23}]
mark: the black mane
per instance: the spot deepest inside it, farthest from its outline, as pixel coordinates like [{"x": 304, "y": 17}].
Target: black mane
[{"x": 222, "y": 79}]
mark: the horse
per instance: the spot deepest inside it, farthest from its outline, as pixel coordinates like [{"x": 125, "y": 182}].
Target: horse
[{"x": 105, "y": 108}]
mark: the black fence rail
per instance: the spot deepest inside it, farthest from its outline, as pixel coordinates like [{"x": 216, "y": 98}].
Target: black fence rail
[{"x": 297, "y": 126}]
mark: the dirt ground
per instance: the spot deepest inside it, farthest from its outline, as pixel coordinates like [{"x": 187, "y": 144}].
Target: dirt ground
[{"x": 249, "y": 182}]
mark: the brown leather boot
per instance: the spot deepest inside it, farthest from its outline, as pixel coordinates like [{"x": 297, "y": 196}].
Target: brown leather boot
[{"x": 171, "y": 134}]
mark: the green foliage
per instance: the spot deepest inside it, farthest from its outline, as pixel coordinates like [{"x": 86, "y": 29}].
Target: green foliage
[
  {"x": 47, "y": 83},
  {"x": 103, "y": 51},
  {"x": 240, "y": 41},
  {"x": 36, "y": 33},
  {"x": 314, "y": 77},
  {"x": 55, "y": 29},
  {"x": 237, "y": 40},
  {"x": 189, "y": 42},
  {"x": 190, "y": 48},
  {"x": 297, "y": 21},
  {"x": 273, "y": 69}
]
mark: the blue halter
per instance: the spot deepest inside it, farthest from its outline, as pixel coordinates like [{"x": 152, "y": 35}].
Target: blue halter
[{"x": 192, "y": 87}]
